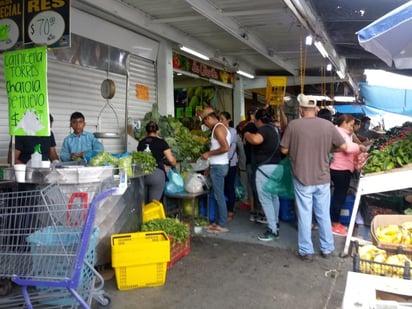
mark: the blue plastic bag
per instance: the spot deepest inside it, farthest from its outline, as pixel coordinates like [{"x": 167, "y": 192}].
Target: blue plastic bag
[{"x": 175, "y": 183}]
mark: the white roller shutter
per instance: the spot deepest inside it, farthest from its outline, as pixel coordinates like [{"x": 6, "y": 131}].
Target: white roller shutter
[
  {"x": 142, "y": 72},
  {"x": 75, "y": 88}
]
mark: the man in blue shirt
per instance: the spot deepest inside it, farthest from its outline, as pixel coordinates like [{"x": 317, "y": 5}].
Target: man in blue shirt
[{"x": 79, "y": 143}]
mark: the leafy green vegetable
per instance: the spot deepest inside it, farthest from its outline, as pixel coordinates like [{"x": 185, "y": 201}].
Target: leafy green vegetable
[
  {"x": 170, "y": 226},
  {"x": 145, "y": 160}
]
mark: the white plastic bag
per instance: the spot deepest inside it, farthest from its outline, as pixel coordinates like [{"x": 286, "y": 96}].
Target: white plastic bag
[{"x": 196, "y": 183}]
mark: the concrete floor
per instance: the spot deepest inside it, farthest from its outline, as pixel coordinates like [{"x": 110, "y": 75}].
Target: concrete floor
[{"x": 235, "y": 270}]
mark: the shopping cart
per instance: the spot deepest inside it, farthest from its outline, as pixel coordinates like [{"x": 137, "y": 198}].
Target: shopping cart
[{"x": 47, "y": 246}]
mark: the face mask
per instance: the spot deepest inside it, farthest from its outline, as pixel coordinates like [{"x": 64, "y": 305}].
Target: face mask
[
  {"x": 204, "y": 128},
  {"x": 367, "y": 126}
]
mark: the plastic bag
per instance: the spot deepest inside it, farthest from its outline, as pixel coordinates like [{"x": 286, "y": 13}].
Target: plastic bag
[
  {"x": 240, "y": 192},
  {"x": 200, "y": 165},
  {"x": 196, "y": 183},
  {"x": 280, "y": 181},
  {"x": 175, "y": 183}
]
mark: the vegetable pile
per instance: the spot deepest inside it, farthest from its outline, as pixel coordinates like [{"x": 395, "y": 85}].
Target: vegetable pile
[
  {"x": 183, "y": 143},
  {"x": 145, "y": 160},
  {"x": 393, "y": 150},
  {"x": 170, "y": 226}
]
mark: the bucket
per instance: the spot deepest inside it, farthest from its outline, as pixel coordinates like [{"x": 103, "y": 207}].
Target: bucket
[
  {"x": 346, "y": 210},
  {"x": 203, "y": 207},
  {"x": 287, "y": 209}
]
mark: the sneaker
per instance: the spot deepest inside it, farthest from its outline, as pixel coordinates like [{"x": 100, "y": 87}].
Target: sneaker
[
  {"x": 252, "y": 216},
  {"x": 261, "y": 219},
  {"x": 339, "y": 230},
  {"x": 268, "y": 235}
]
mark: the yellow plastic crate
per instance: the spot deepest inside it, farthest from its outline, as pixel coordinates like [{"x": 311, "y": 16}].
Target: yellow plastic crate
[
  {"x": 153, "y": 210},
  {"x": 140, "y": 259}
]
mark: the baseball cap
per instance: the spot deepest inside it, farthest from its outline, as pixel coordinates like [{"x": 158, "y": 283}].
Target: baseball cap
[{"x": 306, "y": 100}]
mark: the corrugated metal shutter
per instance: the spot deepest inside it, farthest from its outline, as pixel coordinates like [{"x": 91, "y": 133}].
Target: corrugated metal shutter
[
  {"x": 141, "y": 72},
  {"x": 75, "y": 88}
]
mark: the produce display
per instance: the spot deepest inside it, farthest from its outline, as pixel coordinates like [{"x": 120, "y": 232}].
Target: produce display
[
  {"x": 393, "y": 150},
  {"x": 170, "y": 226},
  {"x": 185, "y": 144},
  {"x": 376, "y": 261},
  {"x": 395, "y": 234},
  {"x": 145, "y": 160}
]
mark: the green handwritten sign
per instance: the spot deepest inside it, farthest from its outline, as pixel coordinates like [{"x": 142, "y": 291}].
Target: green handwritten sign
[
  {"x": 25, "y": 75},
  {"x": 4, "y": 32}
]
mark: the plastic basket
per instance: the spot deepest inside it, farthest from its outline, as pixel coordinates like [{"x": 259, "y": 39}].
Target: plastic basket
[
  {"x": 139, "y": 259},
  {"x": 383, "y": 269},
  {"x": 54, "y": 251},
  {"x": 178, "y": 250},
  {"x": 153, "y": 210}
]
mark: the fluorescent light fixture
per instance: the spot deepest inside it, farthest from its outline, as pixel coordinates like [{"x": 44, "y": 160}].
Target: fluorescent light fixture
[
  {"x": 194, "y": 53},
  {"x": 340, "y": 74},
  {"x": 344, "y": 99},
  {"x": 329, "y": 67},
  {"x": 321, "y": 49},
  {"x": 245, "y": 74},
  {"x": 309, "y": 40}
]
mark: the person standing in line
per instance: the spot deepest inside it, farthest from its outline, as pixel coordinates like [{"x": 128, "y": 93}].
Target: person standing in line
[
  {"x": 230, "y": 178},
  {"x": 255, "y": 207},
  {"x": 154, "y": 183},
  {"x": 341, "y": 170},
  {"x": 308, "y": 141},
  {"x": 218, "y": 166},
  {"x": 79, "y": 144},
  {"x": 266, "y": 153}
]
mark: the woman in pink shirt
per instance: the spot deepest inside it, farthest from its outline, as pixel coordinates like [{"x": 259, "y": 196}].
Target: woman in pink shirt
[{"x": 341, "y": 170}]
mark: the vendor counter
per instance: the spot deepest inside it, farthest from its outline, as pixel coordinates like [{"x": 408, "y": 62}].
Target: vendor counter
[{"x": 116, "y": 214}]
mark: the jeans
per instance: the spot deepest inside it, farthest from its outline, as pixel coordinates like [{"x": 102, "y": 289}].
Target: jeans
[
  {"x": 230, "y": 188},
  {"x": 269, "y": 202},
  {"x": 314, "y": 198},
  {"x": 218, "y": 173}
]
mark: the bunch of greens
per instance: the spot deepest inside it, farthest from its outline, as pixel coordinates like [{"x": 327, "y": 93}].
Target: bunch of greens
[
  {"x": 145, "y": 160},
  {"x": 183, "y": 143},
  {"x": 170, "y": 226}
]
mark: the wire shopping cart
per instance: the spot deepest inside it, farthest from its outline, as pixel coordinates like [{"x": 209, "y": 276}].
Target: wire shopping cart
[{"x": 47, "y": 246}]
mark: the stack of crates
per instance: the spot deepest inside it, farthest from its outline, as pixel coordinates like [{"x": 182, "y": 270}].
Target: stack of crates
[{"x": 153, "y": 210}]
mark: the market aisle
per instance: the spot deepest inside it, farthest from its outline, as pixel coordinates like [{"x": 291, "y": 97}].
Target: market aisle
[{"x": 235, "y": 270}]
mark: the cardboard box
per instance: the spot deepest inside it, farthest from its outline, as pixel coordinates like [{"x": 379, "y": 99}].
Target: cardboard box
[
  {"x": 383, "y": 220},
  {"x": 369, "y": 291}
]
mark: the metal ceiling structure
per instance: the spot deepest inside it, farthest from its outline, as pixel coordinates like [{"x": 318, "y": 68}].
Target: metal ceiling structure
[{"x": 262, "y": 37}]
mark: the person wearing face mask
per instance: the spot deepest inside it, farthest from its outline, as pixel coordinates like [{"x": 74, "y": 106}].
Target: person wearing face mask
[{"x": 364, "y": 133}]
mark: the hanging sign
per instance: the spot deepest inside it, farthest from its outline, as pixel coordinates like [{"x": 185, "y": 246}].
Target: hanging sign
[
  {"x": 25, "y": 76},
  {"x": 47, "y": 23},
  {"x": 11, "y": 21},
  {"x": 29, "y": 23}
]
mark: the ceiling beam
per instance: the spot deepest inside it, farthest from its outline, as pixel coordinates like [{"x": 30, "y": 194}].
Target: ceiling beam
[{"x": 232, "y": 27}]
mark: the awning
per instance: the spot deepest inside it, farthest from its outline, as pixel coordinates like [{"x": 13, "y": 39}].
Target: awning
[{"x": 390, "y": 37}]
